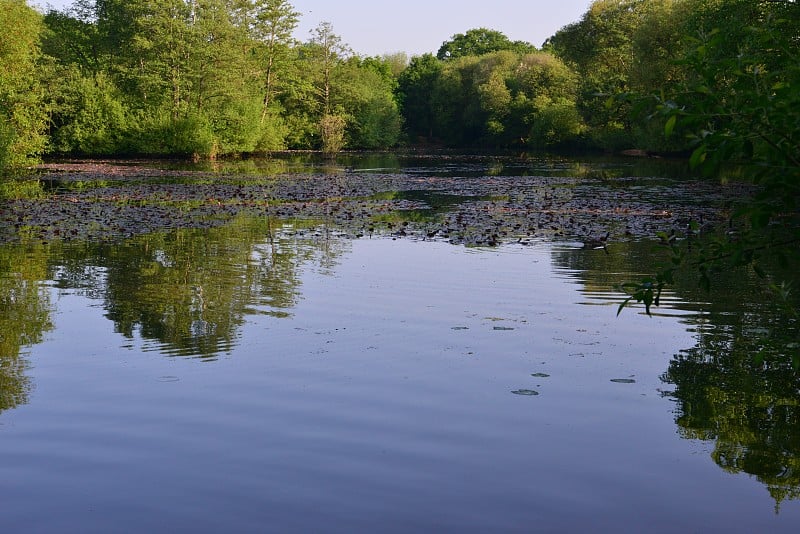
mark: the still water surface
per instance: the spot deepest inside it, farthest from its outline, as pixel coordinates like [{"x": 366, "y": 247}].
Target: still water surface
[{"x": 230, "y": 380}]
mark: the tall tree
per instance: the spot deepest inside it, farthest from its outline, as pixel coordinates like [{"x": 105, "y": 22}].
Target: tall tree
[
  {"x": 273, "y": 22},
  {"x": 327, "y": 52},
  {"x": 599, "y": 46},
  {"x": 415, "y": 86},
  {"x": 22, "y": 119}
]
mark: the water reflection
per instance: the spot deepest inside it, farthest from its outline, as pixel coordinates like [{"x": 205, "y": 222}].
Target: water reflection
[
  {"x": 442, "y": 163},
  {"x": 749, "y": 409},
  {"x": 190, "y": 290},
  {"x": 25, "y": 316},
  {"x": 739, "y": 386}
]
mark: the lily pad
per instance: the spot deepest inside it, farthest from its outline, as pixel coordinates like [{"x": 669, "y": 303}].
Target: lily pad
[
  {"x": 168, "y": 379},
  {"x": 623, "y": 380}
]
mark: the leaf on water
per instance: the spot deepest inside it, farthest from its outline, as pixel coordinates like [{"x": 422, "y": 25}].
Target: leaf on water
[
  {"x": 623, "y": 380},
  {"x": 526, "y": 392},
  {"x": 541, "y": 375}
]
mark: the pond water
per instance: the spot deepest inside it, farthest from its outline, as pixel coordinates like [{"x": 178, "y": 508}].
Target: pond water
[{"x": 276, "y": 373}]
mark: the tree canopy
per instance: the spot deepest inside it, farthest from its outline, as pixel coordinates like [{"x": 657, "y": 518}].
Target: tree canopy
[
  {"x": 480, "y": 41},
  {"x": 215, "y": 77}
]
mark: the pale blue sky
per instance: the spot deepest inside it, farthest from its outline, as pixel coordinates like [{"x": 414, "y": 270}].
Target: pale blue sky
[{"x": 419, "y": 26}]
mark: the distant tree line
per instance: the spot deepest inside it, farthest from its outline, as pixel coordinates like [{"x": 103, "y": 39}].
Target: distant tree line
[{"x": 216, "y": 77}]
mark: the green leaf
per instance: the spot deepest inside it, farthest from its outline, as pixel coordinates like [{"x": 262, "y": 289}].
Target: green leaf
[
  {"x": 670, "y": 125},
  {"x": 698, "y": 156}
]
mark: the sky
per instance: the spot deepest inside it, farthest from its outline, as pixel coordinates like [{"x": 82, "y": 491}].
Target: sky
[{"x": 418, "y": 26}]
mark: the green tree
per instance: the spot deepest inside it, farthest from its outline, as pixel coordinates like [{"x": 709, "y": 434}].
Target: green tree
[
  {"x": 326, "y": 53},
  {"x": 506, "y": 99},
  {"x": 599, "y": 46},
  {"x": 72, "y": 38},
  {"x": 22, "y": 118},
  {"x": 87, "y": 114},
  {"x": 272, "y": 26},
  {"x": 367, "y": 98},
  {"x": 479, "y": 41},
  {"x": 740, "y": 104},
  {"x": 415, "y": 86}
]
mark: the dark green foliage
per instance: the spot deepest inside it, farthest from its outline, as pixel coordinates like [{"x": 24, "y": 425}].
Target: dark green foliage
[
  {"x": 740, "y": 104},
  {"x": 415, "y": 87}
]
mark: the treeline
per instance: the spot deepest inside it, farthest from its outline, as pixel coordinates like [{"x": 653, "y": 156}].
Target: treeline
[{"x": 211, "y": 77}]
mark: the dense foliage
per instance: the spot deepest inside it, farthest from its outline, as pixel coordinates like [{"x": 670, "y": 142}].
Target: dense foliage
[
  {"x": 21, "y": 106},
  {"x": 208, "y": 77},
  {"x": 737, "y": 100},
  {"x": 205, "y": 77}
]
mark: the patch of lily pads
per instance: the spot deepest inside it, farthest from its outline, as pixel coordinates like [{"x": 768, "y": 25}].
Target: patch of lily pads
[{"x": 112, "y": 201}]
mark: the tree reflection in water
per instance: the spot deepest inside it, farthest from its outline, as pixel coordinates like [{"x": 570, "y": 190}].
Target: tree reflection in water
[
  {"x": 25, "y": 311},
  {"x": 741, "y": 390},
  {"x": 739, "y": 386},
  {"x": 190, "y": 290}
]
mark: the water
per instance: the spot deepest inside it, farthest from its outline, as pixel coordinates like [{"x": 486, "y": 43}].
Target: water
[{"x": 254, "y": 378}]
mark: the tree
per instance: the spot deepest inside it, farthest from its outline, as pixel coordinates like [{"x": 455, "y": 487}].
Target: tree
[
  {"x": 415, "y": 86},
  {"x": 326, "y": 53},
  {"x": 72, "y": 38},
  {"x": 479, "y": 41},
  {"x": 500, "y": 99},
  {"x": 22, "y": 119},
  {"x": 272, "y": 26},
  {"x": 599, "y": 47},
  {"x": 367, "y": 98},
  {"x": 740, "y": 104}
]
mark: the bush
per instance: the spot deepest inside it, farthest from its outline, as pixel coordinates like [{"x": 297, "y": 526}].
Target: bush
[{"x": 163, "y": 134}]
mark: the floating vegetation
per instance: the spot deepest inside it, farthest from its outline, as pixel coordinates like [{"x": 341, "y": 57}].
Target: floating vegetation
[
  {"x": 525, "y": 392},
  {"x": 111, "y": 201},
  {"x": 540, "y": 375},
  {"x": 623, "y": 380}
]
